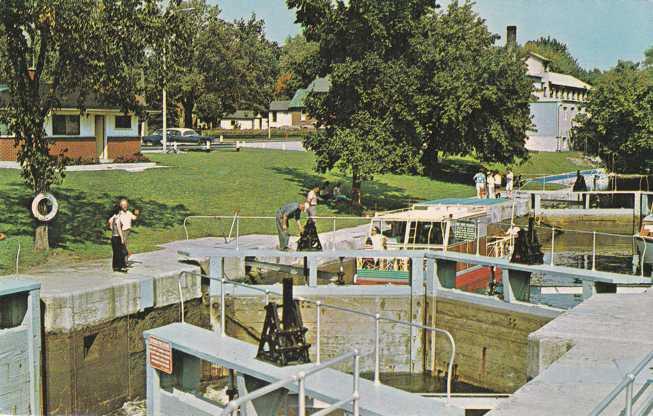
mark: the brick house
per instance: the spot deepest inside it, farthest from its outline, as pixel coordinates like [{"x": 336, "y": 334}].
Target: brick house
[{"x": 101, "y": 132}]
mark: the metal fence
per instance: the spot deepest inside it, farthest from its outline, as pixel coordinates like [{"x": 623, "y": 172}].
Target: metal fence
[
  {"x": 376, "y": 317},
  {"x": 627, "y": 386},
  {"x": 300, "y": 379},
  {"x": 6, "y": 246}
]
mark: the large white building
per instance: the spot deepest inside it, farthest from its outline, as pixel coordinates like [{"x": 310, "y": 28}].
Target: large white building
[{"x": 557, "y": 99}]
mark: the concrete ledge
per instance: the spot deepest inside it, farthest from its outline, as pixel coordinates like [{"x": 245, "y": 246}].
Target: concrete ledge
[
  {"x": 91, "y": 294},
  {"x": 579, "y": 357}
]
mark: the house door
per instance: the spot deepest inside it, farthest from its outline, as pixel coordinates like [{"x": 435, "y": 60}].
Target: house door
[{"x": 100, "y": 137}]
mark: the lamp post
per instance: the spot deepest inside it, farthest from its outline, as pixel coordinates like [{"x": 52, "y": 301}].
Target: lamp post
[{"x": 165, "y": 94}]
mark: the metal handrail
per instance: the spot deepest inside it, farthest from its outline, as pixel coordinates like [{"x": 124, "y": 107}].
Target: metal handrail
[
  {"x": 318, "y": 304},
  {"x": 300, "y": 378},
  {"x": 18, "y": 249},
  {"x": 625, "y": 384}
]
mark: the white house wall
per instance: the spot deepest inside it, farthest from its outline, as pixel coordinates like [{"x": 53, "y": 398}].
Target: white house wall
[
  {"x": 87, "y": 125},
  {"x": 250, "y": 124},
  {"x": 284, "y": 119},
  {"x": 112, "y": 131}
]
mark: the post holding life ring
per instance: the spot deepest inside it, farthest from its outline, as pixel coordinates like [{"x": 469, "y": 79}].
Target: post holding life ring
[{"x": 53, "y": 211}]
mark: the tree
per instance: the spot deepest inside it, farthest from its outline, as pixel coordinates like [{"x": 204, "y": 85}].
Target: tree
[
  {"x": 618, "y": 123},
  {"x": 295, "y": 65},
  {"x": 362, "y": 47},
  {"x": 52, "y": 47},
  {"x": 211, "y": 66},
  {"x": 409, "y": 82},
  {"x": 472, "y": 96},
  {"x": 561, "y": 58}
]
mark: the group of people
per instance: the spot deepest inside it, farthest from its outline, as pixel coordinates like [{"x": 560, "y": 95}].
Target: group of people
[
  {"x": 120, "y": 224},
  {"x": 489, "y": 184}
]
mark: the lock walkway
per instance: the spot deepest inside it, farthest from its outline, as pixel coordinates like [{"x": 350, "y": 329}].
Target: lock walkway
[{"x": 329, "y": 385}]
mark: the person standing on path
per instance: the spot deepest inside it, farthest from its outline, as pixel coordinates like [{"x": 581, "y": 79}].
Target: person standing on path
[
  {"x": 311, "y": 199},
  {"x": 490, "y": 185},
  {"x": 126, "y": 219},
  {"x": 479, "y": 180},
  {"x": 117, "y": 242},
  {"x": 290, "y": 210},
  {"x": 509, "y": 182}
]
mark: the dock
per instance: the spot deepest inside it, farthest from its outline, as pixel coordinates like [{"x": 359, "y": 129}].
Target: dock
[{"x": 329, "y": 386}]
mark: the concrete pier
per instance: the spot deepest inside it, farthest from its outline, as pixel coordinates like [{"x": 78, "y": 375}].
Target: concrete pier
[
  {"x": 578, "y": 358},
  {"x": 93, "y": 319}
]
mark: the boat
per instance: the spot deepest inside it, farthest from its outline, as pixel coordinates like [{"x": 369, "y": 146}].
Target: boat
[
  {"x": 644, "y": 245},
  {"x": 430, "y": 226}
]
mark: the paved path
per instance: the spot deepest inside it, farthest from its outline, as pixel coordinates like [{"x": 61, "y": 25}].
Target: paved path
[
  {"x": 127, "y": 167},
  {"x": 294, "y": 146},
  {"x": 583, "y": 355}
]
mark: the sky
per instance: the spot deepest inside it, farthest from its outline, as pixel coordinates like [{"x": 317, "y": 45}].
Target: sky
[{"x": 598, "y": 32}]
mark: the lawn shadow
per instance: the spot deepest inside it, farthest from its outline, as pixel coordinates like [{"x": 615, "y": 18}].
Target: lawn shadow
[
  {"x": 460, "y": 171},
  {"x": 82, "y": 217},
  {"x": 377, "y": 196}
]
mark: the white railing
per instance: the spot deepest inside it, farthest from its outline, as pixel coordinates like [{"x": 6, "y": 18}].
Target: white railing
[
  {"x": 627, "y": 384},
  {"x": 377, "y": 317},
  {"x": 300, "y": 379},
  {"x": 237, "y": 218},
  {"x": 18, "y": 249}
]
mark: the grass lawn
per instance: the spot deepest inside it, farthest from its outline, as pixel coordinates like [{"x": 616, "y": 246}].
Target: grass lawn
[{"x": 256, "y": 182}]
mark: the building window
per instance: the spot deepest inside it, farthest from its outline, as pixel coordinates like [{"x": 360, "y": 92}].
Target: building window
[
  {"x": 274, "y": 116},
  {"x": 123, "y": 122},
  {"x": 65, "y": 125},
  {"x": 233, "y": 123}
]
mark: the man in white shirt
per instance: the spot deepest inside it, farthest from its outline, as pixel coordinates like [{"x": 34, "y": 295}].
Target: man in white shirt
[
  {"x": 509, "y": 182},
  {"x": 126, "y": 217},
  {"x": 311, "y": 200},
  {"x": 490, "y": 185}
]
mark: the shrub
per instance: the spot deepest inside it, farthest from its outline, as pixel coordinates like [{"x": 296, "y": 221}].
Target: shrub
[{"x": 135, "y": 158}]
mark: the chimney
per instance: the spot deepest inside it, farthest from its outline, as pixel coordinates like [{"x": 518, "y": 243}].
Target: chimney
[{"x": 511, "y": 36}]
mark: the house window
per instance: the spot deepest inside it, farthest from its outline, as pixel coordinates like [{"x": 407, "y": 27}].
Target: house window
[
  {"x": 123, "y": 122},
  {"x": 233, "y": 123},
  {"x": 65, "y": 125}
]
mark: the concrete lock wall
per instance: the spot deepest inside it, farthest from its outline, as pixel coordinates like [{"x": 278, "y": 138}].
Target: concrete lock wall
[
  {"x": 491, "y": 336},
  {"x": 340, "y": 331},
  {"x": 95, "y": 369}
]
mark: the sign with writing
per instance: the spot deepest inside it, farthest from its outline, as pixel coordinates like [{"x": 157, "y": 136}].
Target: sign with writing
[
  {"x": 464, "y": 231},
  {"x": 160, "y": 355}
]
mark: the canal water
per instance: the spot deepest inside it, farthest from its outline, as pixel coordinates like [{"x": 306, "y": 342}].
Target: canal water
[{"x": 573, "y": 247}]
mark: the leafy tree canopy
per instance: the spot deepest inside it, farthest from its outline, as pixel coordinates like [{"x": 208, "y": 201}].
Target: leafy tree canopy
[
  {"x": 410, "y": 82},
  {"x": 211, "y": 66},
  {"x": 295, "y": 65},
  {"x": 618, "y": 125},
  {"x": 49, "y": 48}
]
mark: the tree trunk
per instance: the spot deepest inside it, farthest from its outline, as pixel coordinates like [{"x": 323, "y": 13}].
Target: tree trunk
[
  {"x": 355, "y": 189},
  {"x": 189, "y": 106},
  {"x": 41, "y": 239}
]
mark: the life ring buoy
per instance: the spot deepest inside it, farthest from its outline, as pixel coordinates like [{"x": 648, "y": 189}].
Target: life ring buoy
[{"x": 53, "y": 211}]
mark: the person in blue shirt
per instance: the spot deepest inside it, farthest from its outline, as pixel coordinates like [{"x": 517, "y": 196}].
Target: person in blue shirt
[
  {"x": 284, "y": 214},
  {"x": 479, "y": 180}
]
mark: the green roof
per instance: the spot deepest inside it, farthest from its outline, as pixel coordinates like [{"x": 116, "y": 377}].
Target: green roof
[
  {"x": 318, "y": 85},
  {"x": 299, "y": 98}
]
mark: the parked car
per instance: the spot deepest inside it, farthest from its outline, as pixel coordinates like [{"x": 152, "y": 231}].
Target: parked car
[{"x": 176, "y": 135}]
